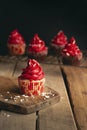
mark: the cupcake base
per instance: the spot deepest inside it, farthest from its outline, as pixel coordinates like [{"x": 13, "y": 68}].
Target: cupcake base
[
  {"x": 38, "y": 56},
  {"x": 16, "y": 49},
  {"x": 56, "y": 50},
  {"x": 31, "y": 87},
  {"x": 71, "y": 60}
]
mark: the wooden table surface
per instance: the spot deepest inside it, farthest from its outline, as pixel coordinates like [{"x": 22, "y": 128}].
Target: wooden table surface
[{"x": 70, "y": 113}]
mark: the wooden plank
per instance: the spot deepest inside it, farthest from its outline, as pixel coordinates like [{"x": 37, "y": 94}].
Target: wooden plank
[
  {"x": 58, "y": 116},
  {"x": 11, "y": 99},
  {"x": 7, "y": 65},
  {"x": 9, "y": 58},
  {"x": 13, "y": 121},
  {"x": 20, "y": 65},
  {"x": 84, "y": 63},
  {"x": 77, "y": 85},
  {"x": 51, "y": 60}
]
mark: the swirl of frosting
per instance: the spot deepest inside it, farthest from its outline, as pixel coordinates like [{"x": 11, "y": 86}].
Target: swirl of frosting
[
  {"x": 36, "y": 44},
  {"x": 60, "y": 38},
  {"x": 33, "y": 71},
  {"x": 71, "y": 49},
  {"x": 15, "y": 38}
]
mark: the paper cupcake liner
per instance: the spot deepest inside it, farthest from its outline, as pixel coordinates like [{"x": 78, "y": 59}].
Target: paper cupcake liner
[
  {"x": 31, "y": 87},
  {"x": 16, "y": 49}
]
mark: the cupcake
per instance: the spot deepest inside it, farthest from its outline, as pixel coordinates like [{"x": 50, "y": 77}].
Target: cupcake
[
  {"x": 32, "y": 80},
  {"x": 37, "y": 49},
  {"x": 16, "y": 43},
  {"x": 71, "y": 54},
  {"x": 58, "y": 43}
]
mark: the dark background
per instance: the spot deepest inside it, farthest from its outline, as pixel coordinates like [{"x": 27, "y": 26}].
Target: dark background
[{"x": 45, "y": 18}]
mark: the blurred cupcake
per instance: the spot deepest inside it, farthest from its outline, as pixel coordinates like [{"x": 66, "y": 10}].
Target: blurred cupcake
[
  {"x": 37, "y": 48},
  {"x": 32, "y": 80},
  {"x": 16, "y": 43},
  {"x": 71, "y": 54},
  {"x": 58, "y": 43}
]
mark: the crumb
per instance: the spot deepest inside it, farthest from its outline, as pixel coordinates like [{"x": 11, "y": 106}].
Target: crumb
[{"x": 6, "y": 100}]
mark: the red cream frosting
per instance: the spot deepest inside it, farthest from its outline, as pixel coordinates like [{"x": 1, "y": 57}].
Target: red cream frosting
[
  {"x": 60, "y": 39},
  {"x": 15, "y": 38},
  {"x": 37, "y": 45},
  {"x": 71, "y": 49},
  {"x": 33, "y": 71}
]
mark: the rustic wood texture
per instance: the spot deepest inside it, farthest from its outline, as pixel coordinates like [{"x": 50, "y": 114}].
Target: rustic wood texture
[
  {"x": 77, "y": 85},
  {"x": 51, "y": 60},
  {"x": 7, "y": 67},
  {"x": 58, "y": 116},
  {"x": 84, "y": 63},
  {"x": 11, "y": 99},
  {"x": 13, "y": 121}
]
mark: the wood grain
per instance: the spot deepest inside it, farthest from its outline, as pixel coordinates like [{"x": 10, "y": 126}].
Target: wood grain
[
  {"x": 77, "y": 85},
  {"x": 6, "y": 69},
  {"x": 13, "y": 121},
  {"x": 51, "y": 60},
  {"x": 58, "y": 116}
]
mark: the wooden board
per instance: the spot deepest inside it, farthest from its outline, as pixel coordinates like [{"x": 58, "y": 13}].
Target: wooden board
[
  {"x": 58, "y": 116},
  {"x": 51, "y": 60},
  {"x": 7, "y": 69},
  {"x": 77, "y": 86},
  {"x": 84, "y": 63},
  {"x": 12, "y": 100},
  {"x": 14, "y": 121}
]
